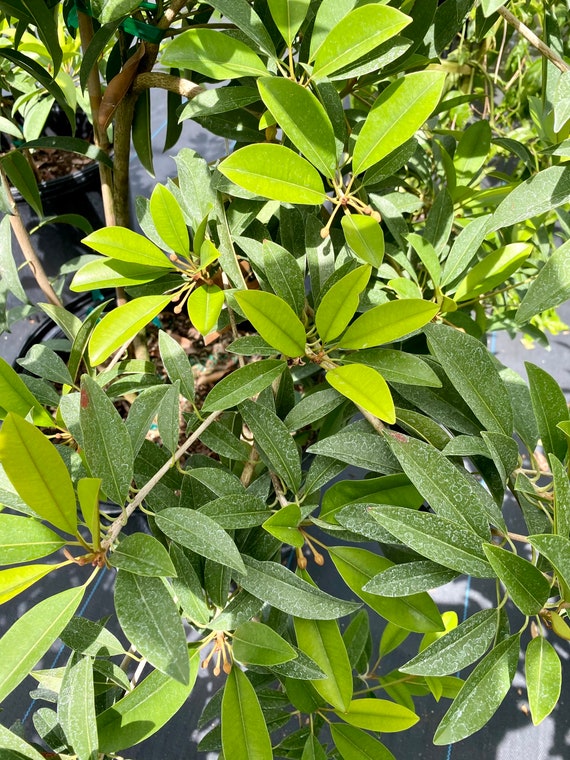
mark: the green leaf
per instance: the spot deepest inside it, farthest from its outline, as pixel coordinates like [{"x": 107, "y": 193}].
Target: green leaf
[
  {"x": 188, "y": 588},
  {"x": 543, "y": 672},
  {"x": 283, "y": 524},
  {"x": 397, "y": 366},
  {"x": 76, "y": 708},
  {"x": 21, "y": 176},
  {"x": 364, "y": 236},
  {"x": 205, "y": 306},
  {"x": 550, "y": 288},
  {"x": 274, "y": 320},
  {"x": 282, "y": 589},
  {"x": 143, "y": 411},
  {"x": 8, "y": 268},
  {"x": 360, "y": 447},
  {"x": 201, "y": 533},
  {"x": 313, "y": 407},
  {"x": 355, "y": 744},
  {"x": 106, "y": 441},
  {"x": 244, "y": 730},
  {"x": 276, "y": 172},
  {"x": 110, "y": 273},
  {"x": 550, "y": 408},
  {"x": 219, "y": 439},
  {"x": 451, "y": 492},
  {"x": 541, "y": 193},
  {"x": 176, "y": 364},
  {"x": 150, "y": 620},
  {"x": 169, "y": 220},
  {"x": 473, "y": 372},
  {"x": 142, "y": 554},
  {"x": 212, "y": 53},
  {"x": 284, "y": 275},
  {"x": 122, "y": 324},
  {"x": 561, "y": 485},
  {"x": 357, "y": 566},
  {"x": 378, "y": 715},
  {"x": 481, "y": 694},
  {"x": 490, "y": 6},
  {"x": 556, "y": 549},
  {"x": 275, "y": 444},
  {"x": 23, "y": 539},
  {"x": 388, "y": 322},
  {"x": 458, "y": 648},
  {"x": 464, "y": 249},
  {"x": 472, "y": 151},
  {"x": 85, "y": 636},
  {"x": 398, "y": 112},
  {"x": 493, "y": 270},
  {"x": 409, "y": 578},
  {"x": 365, "y": 387},
  {"x": 14, "y": 580},
  {"x": 436, "y": 538},
  {"x": 38, "y": 473},
  {"x": 240, "y": 13},
  {"x": 145, "y": 709},
  {"x": 16, "y": 747},
  {"x": 218, "y": 100},
  {"x": 258, "y": 644},
  {"x": 15, "y": 397},
  {"x": 359, "y": 32},
  {"x": 427, "y": 255},
  {"x": 128, "y": 246},
  {"x": 237, "y": 510},
  {"x": 32, "y": 635},
  {"x": 303, "y": 119},
  {"x": 288, "y": 16},
  {"x": 340, "y": 302},
  {"x": 322, "y": 641},
  {"x": 243, "y": 383}
]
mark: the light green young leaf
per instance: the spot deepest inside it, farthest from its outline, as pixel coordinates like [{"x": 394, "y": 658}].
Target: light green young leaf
[
  {"x": 473, "y": 372},
  {"x": 76, "y": 708},
  {"x": 359, "y": 32},
  {"x": 472, "y": 151},
  {"x": 176, "y": 364},
  {"x": 128, "y": 246},
  {"x": 365, "y": 237},
  {"x": 357, "y": 567},
  {"x": 355, "y": 744},
  {"x": 303, "y": 119},
  {"x": 15, "y": 397},
  {"x": 205, "y": 306},
  {"x": 276, "y": 446},
  {"x": 212, "y": 53},
  {"x": 106, "y": 441},
  {"x": 543, "y": 672},
  {"x": 142, "y": 554},
  {"x": 428, "y": 256},
  {"x": 281, "y": 588},
  {"x": 378, "y": 715},
  {"x": 275, "y": 172},
  {"x": 38, "y": 473},
  {"x": 23, "y": 539},
  {"x": 435, "y": 538},
  {"x": 243, "y": 383},
  {"x": 397, "y": 366},
  {"x": 274, "y": 320},
  {"x": 149, "y": 617},
  {"x": 493, "y": 270},
  {"x": 21, "y": 176},
  {"x": 481, "y": 694},
  {"x": 457, "y": 649},
  {"x": 365, "y": 387},
  {"x": 321, "y": 640},
  {"x": 550, "y": 288},
  {"x": 169, "y": 220},
  {"x": 550, "y": 408},
  {"x": 31, "y": 636},
  {"x": 145, "y": 709},
  {"x": 201, "y": 533},
  {"x": 396, "y": 115},
  {"x": 16, "y": 747},
  {"x": 123, "y": 323},
  {"x": 244, "y": 730},
  {"x": 340, "y": 302},
  {"x": 283, "y": 524},
  {"x": 14, "y": 580},
  {"x": 257, "y": 644},
  {"x": 288, "y": 16},
  {"x": 388, "y": 322}
]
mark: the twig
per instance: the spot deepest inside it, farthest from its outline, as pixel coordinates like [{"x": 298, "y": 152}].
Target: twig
[
  {"x": 279, "y": 493},
  {"x": 535, "y": 41},
  {"x": 121, "y": 521},
  {"x": 184, "y": 87},
  {"x": 374, "y": 421}
]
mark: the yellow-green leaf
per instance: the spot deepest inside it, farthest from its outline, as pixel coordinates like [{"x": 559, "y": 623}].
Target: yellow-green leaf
[
  {"x": 205, "y": 306},
  {"x": 14, "y": 580},
  {"x": 365, "y": 237},
  {"x": 388, "y": 322},
  {"x": 340, "y": 303},
  {"x": 365, "y": 387},
  {"x": 274, "y": 320},
  {"x": 543, "y": 671},
  {"x": 126, "y": 245},
  {"x": 244, "y": 730}
]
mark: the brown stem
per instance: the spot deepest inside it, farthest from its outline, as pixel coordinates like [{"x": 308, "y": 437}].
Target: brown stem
[
  {"x": 535, "y": 41},
  {"x": 25, "y": 243},
  {"x": 279, "y": 493},
  {"x": 180, "y": 86},
  {"x": 374, "y": 421}
]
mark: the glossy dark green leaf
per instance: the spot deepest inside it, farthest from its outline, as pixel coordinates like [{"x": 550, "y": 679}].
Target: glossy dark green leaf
[
  {"x": 313, "y": 407},
  {"x": 244, "y": 730},
  {"x": 340, "y": 302},
  {"x": 283, "y": 524},
  {"x": 458, "y": 648},
  {"x": 473, "y": 372},
  {"x": 243, "y": 510},
  {"x": 397, "y": 366},
  {"x": 357, "y": 567},
  {"x": 141, "y": 131},
  {"x": 275, "y": 444},
  {"x": 142, "y": 554},
  {"x": 240, "y": 13},
  {"x": 201, "y": 533},
  {"x": 409, "y": 578},
  {"x": 365, "y": 387},
  {"x": 436, "y": 538},
  {"x": 281, "y": 588},
  {"x": 145, "y": 709},
  {"x": 23, "y": 539},
  {"x": 355, "y": 744},
  {"x": 38, "y": 473},
  {"x": 389, "y": 489},
  {"x": 284, "y": 275},
  {"x": 388, "y": 322},
  {"x": 76, "y": 707},
  {"x": 242, "y": 384},
  {"x": 218, "y": 100},
  {"x": 543, "y": 672},
  {"x": 257, "y": 644},
  {"x": 151, "y": 622},
  {"x": 142, "y": 413},
  {"x": 106, "y": 441},
  {"x": 550, "y": 288},
  {"x": 86, "y": 637},
  {"x": 21, "y": 176},
  {"x": 556, "y": 549},
  {"x": 550, "y": 408},
  {"x": 481, "y": 694}
]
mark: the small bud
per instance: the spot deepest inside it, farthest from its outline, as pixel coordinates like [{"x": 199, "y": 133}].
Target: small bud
[
  {"x": 301, "y": 561},
  {"x": 227, "y": 667},
  {"x": 325, "y": 233},
  {"x": 217, "y": 670},
  {"x": 319, "y": 559}
]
